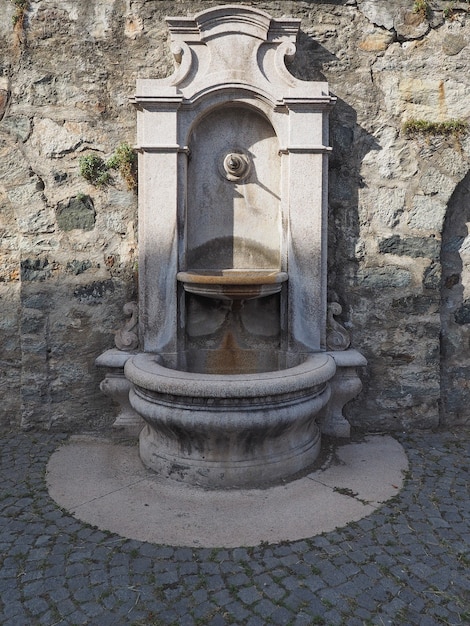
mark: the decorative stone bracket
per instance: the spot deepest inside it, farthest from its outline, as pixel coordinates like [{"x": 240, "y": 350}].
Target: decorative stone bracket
[
  {"x": 126, "y": 338},
  {"x": 345, "y": 385},
  {"x": 337, "y": 337},
  {"x": 117, "y": 387},
  {"x": 115, "y": 384}
]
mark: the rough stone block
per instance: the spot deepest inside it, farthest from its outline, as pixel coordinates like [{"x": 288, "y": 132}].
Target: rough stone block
[
  {"x": 383, "y": 277},
  {"x": 76, "y": 212},
  {"x": 415, "y": 247}
]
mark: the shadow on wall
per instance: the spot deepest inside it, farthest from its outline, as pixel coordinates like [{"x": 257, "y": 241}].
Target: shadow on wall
[
  {"x": 350, "y": 143},
  {"x": 455, "y": 309}
]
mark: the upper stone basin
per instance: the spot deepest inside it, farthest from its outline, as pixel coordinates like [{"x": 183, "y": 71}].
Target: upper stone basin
[{"x": 233, "y": 284}]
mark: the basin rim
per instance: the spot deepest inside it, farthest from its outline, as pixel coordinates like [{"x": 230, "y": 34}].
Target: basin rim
[{"x": 144, "y": 371}]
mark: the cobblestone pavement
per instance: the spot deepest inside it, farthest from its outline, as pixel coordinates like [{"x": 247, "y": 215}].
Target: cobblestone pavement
[{"x": 408, "y": 563}]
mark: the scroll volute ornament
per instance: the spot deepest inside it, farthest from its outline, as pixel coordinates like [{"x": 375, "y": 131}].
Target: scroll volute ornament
[
  {"x": 337, "y": 337},
  {"x": 126, "y": 338}
]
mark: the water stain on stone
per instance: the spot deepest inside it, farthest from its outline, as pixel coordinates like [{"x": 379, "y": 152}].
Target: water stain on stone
[{"x": 229, "y": 358}]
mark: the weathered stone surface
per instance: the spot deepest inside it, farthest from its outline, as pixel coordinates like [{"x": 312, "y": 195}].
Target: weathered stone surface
[
  {"x": 386, "y": 205},
  {"x": 78, "y": 267},
  {"x": 383, "y": 184},
  {"x": 453, "y": 44},
  {"x": 391, "y": 156},
  {"x": 10, "y": 357},
  {"x": 462, "y": 315},
  {"x": 35, "y": 269},
  {"x": 414, "y": 305},
  {"x": 427, "y": 214},
  {"x": 380, "y": 12},
  {"x": 433, "y": 182},
  {"x": 383, "y": 277},
  {"x": 376, "y": 42},
  {"x": 410, "y": 246},
  {"x": 19, "y": 126},
  {"x": 53, "y": 140},
  {"x": 4, "y": 95},
  {"x": 432, "y": 276},
  {"x": 77, "y": 212},
  {"x": 134, "y": 26},
  {"x": 410, "y": 24}
]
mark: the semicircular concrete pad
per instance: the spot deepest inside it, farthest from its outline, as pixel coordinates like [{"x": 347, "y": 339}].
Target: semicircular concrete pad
[{"x": 105, "y": 484}]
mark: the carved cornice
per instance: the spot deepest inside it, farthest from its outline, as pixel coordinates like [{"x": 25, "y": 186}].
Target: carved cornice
[{"x": 233, "y": 18}]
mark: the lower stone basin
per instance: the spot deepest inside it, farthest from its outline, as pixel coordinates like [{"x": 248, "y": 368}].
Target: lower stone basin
[
  {"x": 232, "y": 284},
  {"x": 228, "y": 431}
]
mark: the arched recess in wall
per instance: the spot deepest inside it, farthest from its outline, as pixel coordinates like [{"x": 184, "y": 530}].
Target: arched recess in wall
[
  {"x": 455, "y": 308},
  {"x": 234, "y": 221}
]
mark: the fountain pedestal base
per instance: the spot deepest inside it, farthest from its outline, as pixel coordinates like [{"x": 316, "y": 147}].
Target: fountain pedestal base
[
  {"x": 345, "y": 386},
  {"x": 229, "y": 431},
  {"x": 116, "y": 386}
]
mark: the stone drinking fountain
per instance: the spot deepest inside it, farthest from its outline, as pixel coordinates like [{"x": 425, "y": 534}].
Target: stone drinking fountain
[{"x": 236, "y": 364}]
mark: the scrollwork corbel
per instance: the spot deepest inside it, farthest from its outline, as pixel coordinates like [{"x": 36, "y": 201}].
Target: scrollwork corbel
[
  {"x": 337, "y": 337},
  {"x": 126, "y": 338}
]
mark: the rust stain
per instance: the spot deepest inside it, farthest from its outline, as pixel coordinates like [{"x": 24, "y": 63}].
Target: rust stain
[
  {"x": 229, "y": 358},
  {"x": 241, "y": 292},
  {"x": 442, "y": 99}
]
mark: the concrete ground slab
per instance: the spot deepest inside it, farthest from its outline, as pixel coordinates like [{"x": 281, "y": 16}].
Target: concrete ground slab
[
  {"x": 370, "y": 470},
  {"x": 105, "y": 484}
]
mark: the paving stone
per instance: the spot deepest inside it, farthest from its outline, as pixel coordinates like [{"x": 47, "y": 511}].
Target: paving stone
[
  {"x": 12, "y": 609},
  {"x": 281, "y": 616},
  {"x": 367, "y": 601},
  {"x": 65, "y": 607},
  {"x": 32, "y": 589},
  {"x": 409, "y": 558},
  {"x": 18, "y": 620},
  {"x": 237, "y": 611},
  {"x": 167, "y": 578},
  {"x": 273, "y": 591},
  {"x": 215, "y": 582},
  {"x": 36, "y": 606},
  {"x": 332, "y": 598},
  {"x": 238, "y": 580},
  {"x": 333, "y": 576},
  {"x": 362, "y": 613},
  {"x": 91, "y": 609},
  {"x": 305, "y": 595},
  {"x": 427, "y": 620},
  {"x": 353, "y": 621},
  {"x": 333, "y": 618},
  {"x": 249, "y": 595},
  {"x": 77, "y": 618},
  {"x": 217, "y": 620},
  {"x": 302, "y": 619},
  {"x": 379, "y": 593},
  {"x": 265, "y": 608}
]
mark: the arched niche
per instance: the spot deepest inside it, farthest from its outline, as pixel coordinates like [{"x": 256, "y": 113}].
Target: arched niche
[{"x": 233, "y": 218}]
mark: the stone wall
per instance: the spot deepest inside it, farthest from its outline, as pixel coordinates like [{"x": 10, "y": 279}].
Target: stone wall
[{"x": 399, "y": 247}]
